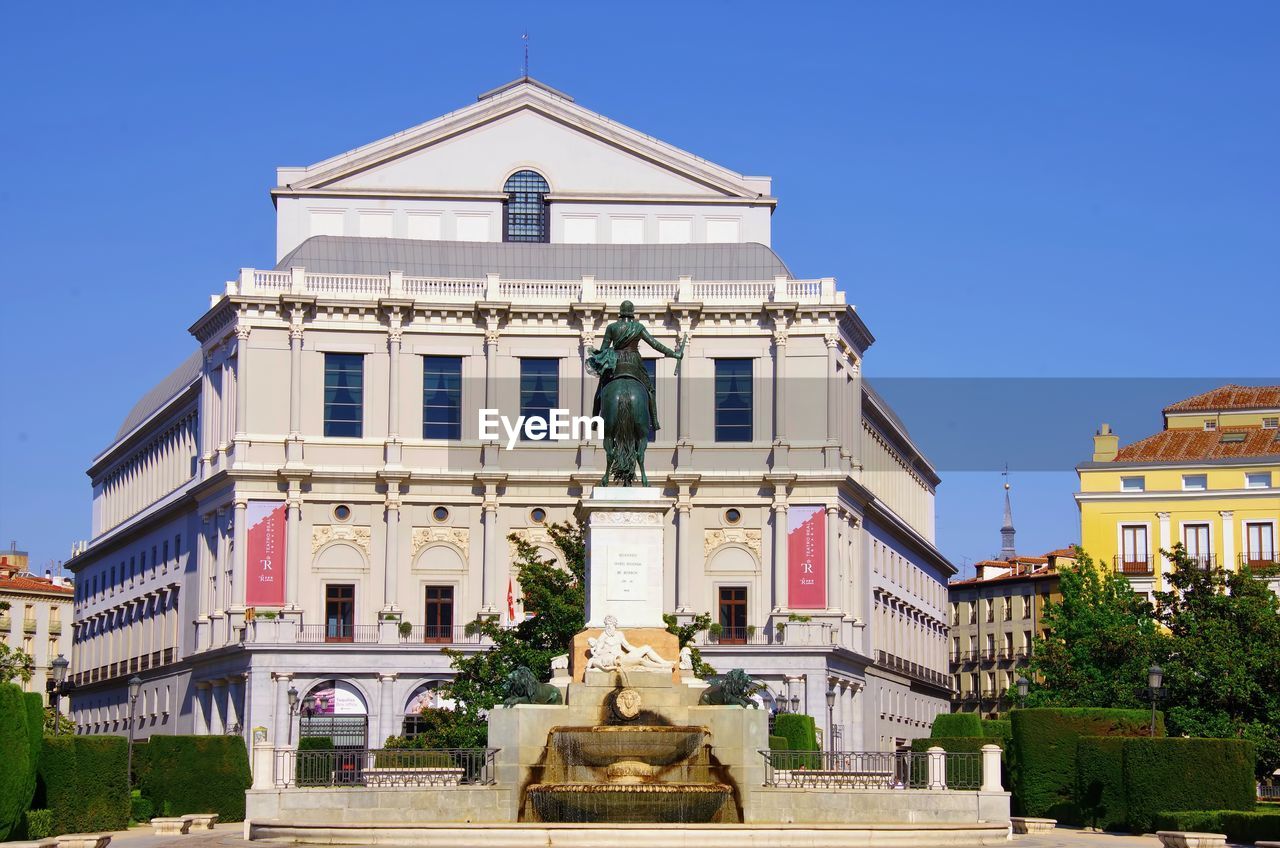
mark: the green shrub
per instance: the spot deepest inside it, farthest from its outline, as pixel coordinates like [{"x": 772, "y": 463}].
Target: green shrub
[
  {"x": 16, "y": 782},
  {"x": 997, "y": 728},
  {"x": 141, "y": 810},
  {"x": 1186, "y": 774},
  {"x": 950, "y": 725},
  {"x": 37, "y": 824},
  {"x": 1239, "y": 826},
  {"x": 1100, "y": 789},
  {"x": 82, "y": 783},
  {"x": 195, "y": 774},
  {"x": 1042, "y": 765},
  {"x": 962, "y": 772},
  {"x": 408, "y": 758},
  {"x": 34, "y": 702},
  {"x": 801, "y": 734},
  {"x": 777, "y": 743}
]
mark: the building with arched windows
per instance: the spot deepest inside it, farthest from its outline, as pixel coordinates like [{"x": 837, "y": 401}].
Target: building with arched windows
[{"x": 311, "y": 502}]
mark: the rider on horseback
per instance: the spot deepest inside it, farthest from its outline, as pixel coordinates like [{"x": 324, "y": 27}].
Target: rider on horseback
[{"x": 620, "y": 358}]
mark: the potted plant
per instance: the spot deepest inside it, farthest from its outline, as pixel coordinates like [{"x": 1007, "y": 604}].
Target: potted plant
[
  {"x": 405, "y": 629},
  {"x": 751, "y": 630}
]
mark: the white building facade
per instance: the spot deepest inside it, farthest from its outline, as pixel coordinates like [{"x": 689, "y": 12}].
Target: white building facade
[{"x": 307, "y": 502}]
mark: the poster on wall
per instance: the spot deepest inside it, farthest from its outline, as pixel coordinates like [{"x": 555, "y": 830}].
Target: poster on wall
[
  {"x": 807, "y": 557},
  {"x": 264, "y": 560}
]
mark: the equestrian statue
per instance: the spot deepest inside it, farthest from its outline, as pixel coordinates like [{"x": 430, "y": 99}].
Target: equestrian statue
[{"x": 625, "y": 396}]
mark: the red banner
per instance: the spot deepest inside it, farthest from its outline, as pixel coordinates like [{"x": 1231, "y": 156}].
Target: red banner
[
  {"x": 807, "y": 557},
  {"x": 264, "y": 583}
]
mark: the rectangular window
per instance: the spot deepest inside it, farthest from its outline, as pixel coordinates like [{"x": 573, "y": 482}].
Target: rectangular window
[
  {"x": 733, "y": 400},
  {"x": 438, "y": 618},
  {"x": 1133, "y": 484},
  {"x": 442, "y": 397},
  {"x": 177, "y": 546},
  {"x": 1026, "y": 606},
  {"x": 1195, "y": 482},
  {"x": 1271, "y": 423},
  {"x": 1257, "y": 480},
  {"x": 539, "y": 387},
  {"x": 339, "y": 612},
  {"x": 344, "y": 394},
  {"x": 1195, "y": 538},
  {"x": 651, "y": 368},
  {"x": 733, "y": 615},
  {"x": 1260, "y": 542},
  {"x": 1134, "y": 557},
  {"x": 1210, "y": 425}
]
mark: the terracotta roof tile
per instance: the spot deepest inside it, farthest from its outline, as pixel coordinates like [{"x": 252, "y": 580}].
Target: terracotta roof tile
[
  {"x": 24, "y": 583},
  {"x": 1186, "y": 443},
  {"x": 1068, "y": 551},
  {"x": 1230, "y": 397}
]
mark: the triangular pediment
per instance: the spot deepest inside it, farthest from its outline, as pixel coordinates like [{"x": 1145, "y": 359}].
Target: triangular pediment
[{"x": 523, "y": 125}]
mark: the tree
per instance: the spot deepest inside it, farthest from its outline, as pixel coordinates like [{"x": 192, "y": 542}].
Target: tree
[
  {"x": 1222, "y": 676},
  {"x": 686, "y": 633},
  {"x": 15, "y": 664},
  {"x": 555, "y": 598},
  {"x": 57, "y": 723},
  {"x": 1098, "y": 642}
]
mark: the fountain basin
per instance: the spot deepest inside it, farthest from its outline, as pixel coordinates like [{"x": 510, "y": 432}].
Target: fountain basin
[
  {"x": 653, "y": 745},
  {"x": 662, "y": 803}
]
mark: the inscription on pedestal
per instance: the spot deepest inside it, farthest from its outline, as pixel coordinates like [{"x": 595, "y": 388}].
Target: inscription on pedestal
[{"x": 628, "y": 576}]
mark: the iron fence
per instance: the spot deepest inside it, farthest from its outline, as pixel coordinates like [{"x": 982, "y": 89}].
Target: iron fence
[
  {"x": 385, "y": 767},
  {"x": 365, "y": 634},
  {"x": 870, "y": 770}
]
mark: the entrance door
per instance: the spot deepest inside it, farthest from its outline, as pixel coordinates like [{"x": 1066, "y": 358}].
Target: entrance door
[
  {"x": 339, "y": 612},
  {"x": 438, "y": 617},
  {"x": 733, "y": 615}
]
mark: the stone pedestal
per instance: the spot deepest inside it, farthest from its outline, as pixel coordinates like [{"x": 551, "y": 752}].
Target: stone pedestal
[{"x": 624, "y": 528}]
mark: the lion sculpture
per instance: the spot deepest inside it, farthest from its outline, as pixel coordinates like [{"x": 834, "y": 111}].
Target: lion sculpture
[
  {"x": 734, "y": 690},
  {"x": 522, "y": 687}
]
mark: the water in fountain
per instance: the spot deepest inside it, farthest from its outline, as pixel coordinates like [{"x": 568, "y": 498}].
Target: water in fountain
[{"x": 646, "y": 773}]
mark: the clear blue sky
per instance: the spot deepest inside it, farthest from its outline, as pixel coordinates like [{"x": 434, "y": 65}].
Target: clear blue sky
[{"x": 1083, "y": 189}]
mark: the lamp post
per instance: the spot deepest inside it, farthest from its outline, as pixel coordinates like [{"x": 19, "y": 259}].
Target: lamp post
[
  {"x": 795, "y": 703},
  {"x": 831, "y": 723},
  {"x": 1155, "y": 691},
  {"x": 292, "y": 695},
  {"x": 1023, "y": 686},
  {"x": 135, "y": 686},
  {"x": 56, "y": 688}
]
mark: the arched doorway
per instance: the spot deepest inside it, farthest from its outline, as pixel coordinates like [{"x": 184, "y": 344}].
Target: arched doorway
[
  {"x": 334, "y": 711},
  {"x": 425, "y": 697}
]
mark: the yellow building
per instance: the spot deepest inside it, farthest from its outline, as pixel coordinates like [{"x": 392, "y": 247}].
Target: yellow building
[{"x": 1210, "y": 479}]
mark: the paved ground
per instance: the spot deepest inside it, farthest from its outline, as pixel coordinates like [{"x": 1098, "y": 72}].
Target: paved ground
[{"x": 229, "y": 836}]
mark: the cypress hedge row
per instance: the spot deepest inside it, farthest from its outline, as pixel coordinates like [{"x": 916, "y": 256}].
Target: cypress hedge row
[
  {"x": 82, "y": 782},
  {"x": 1100, "y": 790},
  {"x": 1043, "y": 763},
  {"x": 998, "y": 728},
  {"x": 181, "y": 775},
  {"x": 801, "y": 734},
  {"x": 1239, "y": 826},
  {"x": 953, "y": 725},
  {"x": 16, "y": 782},
  {"x": 1186, "y": 774}
]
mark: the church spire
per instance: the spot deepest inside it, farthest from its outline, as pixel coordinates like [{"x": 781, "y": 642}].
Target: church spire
[{"x": 1007, "y": 550}]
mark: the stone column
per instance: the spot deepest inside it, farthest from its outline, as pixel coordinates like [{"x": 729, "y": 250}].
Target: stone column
[
  {"x": 206, "y": 420},
  {"x": 489, "y": 566},
  {"x": 240, "y": 547},
  {"x": 833, "y": 557},
  {"x": 386, "y": 706},
  {"x": 1228, "y": 539},
  {"x": 292, "y": 552},
  {"x": 779, "y": 378},
  {"x": 831, "y": 452},
  {"x": 990, "y": 768},
  {"x": 391, "y": 560},
  {"x": 393, "y": 377},
  {"x": 684, "y": 547},
  {"x": 1166, "y": 542},
  {"x": 280, "y": 732},
  {"x": 293, "y": 444},
  {"x": 780, "y": 601}
]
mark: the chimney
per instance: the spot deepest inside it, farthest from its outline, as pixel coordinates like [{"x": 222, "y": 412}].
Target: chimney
[{"x": 1106, "y": 444}]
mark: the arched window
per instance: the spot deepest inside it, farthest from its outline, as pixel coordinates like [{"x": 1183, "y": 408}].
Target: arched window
[{"x": 527, "y": 217}]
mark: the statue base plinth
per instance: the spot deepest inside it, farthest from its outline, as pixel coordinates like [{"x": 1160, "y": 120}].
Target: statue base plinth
[
  {"x": 625, "y": 527},
  {"x": 667, "y": 646}
]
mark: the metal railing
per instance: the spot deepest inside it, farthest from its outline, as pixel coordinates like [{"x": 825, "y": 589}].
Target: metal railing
[
  {"x": 870, "y": 770},
  {"x": 1129, "y": 565},
  {"x": 385, "y": 767},
  {"x": 912, "y": 669},
  {"x": 1258, "y": 559},
  {"x": 1268, "y": 793},
  {"x": 440, "y": 634},
  {"x": 744, "y": 636},
  {"x": 795, "y": 634},
  {"x": 364, "y": 634}
]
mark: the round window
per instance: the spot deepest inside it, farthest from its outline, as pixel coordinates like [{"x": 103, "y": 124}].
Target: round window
[
  {"x": 732, "y": 515},
  {"x": 538, "y": 515},
  {"x": 440, "y": 514},
  {"x": 341, "y": 512}
]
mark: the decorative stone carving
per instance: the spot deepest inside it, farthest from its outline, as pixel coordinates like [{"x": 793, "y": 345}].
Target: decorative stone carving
[
  {"x": 626, "y": 519},
  {"x": 750, "y": 539},
  {"x": 323, "y": 534},
  {"x": 686, "y": 658},
  {"x": 610, "y": 651},
  {"x": 459, "y": 537}
]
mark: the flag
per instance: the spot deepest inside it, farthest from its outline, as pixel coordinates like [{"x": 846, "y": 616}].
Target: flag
[{"x": 511, "y": 604}]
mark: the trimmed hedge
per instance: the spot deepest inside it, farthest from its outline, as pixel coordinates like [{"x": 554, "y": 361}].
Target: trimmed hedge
[
  {"x": 82, "y": 782},
  {"x": 1043, "y": 762},
  {"x": 1186, "y": 774},
  {"x": 1100, "y": 789},
  {"x": 800, "y": 734},
  {"x": 962, "y": 774},
  {"x": 998, "y": 728},
  {"x": 194, "y": 774},
  {"x": 1239, "y": 826},
  {"x": 952, "y": 725},
  {"x": 777, "y": 743},
  {"x": 37, "y": 824},
  {"x": 16, "y": 782}
]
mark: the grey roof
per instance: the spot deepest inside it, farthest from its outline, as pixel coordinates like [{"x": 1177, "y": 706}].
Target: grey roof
[
  {"x": 522, "y": 261},
  {"x": 162, "y": 392}
]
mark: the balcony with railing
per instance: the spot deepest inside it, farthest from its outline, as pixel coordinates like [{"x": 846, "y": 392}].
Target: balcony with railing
[
  {"x": 1134, "y": 566},
  {"x": 494, "y": 288},
  {"x": 913, "y": 669},
  {"x": 290, "y": 631},
  {"x": 439, "y": 634},
  {"x": 1259, "y": 559},
  {"x": 794, "y": 634}
]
